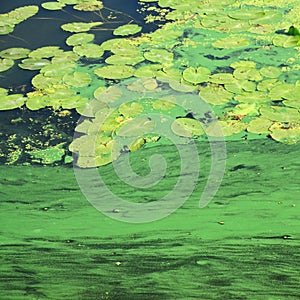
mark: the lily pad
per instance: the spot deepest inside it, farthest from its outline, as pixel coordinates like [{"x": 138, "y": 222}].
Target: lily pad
[
  {"x": 231, "y": 43},
  {"x": 115, "y": 71},
  {"x": 53, "y": 5},
  {"x": 136, "y": 127},
  {"x": 58, "y": 69},
  {"x": 246, "y": 14},
  {"x": 147, "y": 71},
  {"x": 280, "y": 114},
  {"x": 77, "y": 79},
  {"x": 252, "y": 97},
  {"x": 5, "y": 64},
  {"x": 187, "y": 127},
  {"x": 287, "y": 134},
  {"x": 11, "y": 101},
  {"x": 79, "y": 39},
  {"x": 225, "y": 128},
  {"x": 215, "y": 94},
  {"x": 79, "y": 26},
  {"x": 124, "y": 60},
  {"x": 93, "y": 5},
  {"x": 164, "y": 104},
  {"x": 45, "y": 52},
  {"x": 270, "y": 72},
  {"x": 292, "y": 103},
  {"x": 89, "y": 50},
  {"x": 36, "y": 100},
  {"x": 40, "y": 81},
  {"x": 48, "y": 156},
  {"x": 33, "y": 64},
  {"x": 129, "y": 110},
  {"x": 247, "y": 74},
  {"x": 239, "y": 86},
  {"x": 128, "y": 29},
  {"x": 196, "y": 75},
  {"x": 14, "y": 53},
  {"x": 259, "y": 125},
  {"x": 222, "y": 78},
  {"x": 108, "y": 95},
  {"x": 159, "y": 55}
]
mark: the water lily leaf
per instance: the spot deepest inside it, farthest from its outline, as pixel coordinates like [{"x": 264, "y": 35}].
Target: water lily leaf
[
  {"x": 121, "y": 46},
  {"x": 280, "y": 113},
  {"x": 164, "y": 104},
  {"x": 124, "y": 60},
  {"x": 45, "y": 52},
  {"x": 215, "y": 94},
  {"x": 159, "y": 55},
  {"x": 267, "y": 84},
  {"x": 77, "y": 79},
  {"x": 281, "y": 91},
  {"x": 53, "y": 5},
  {"x": 239, "y": 86},
  {"x": 137, "y": 144},
  {"x": 285, "y": 41},
  {"x": 270, "y": 72},
  {"x": 182, "y": 86},
  {"x": 40, "y": 81},
  {"x": 36, "y": 100},
  {"x": 259, "y": 125},
  {"x": 108, "y": 95},
  {"x": 13, "y": 101},
  {"x": 3, "y": 92},
  {"x": 294, "y": 94},
  {"x": 196, "y": 75},
  {"x": 187, "y": 127},
  {"x": 222, "y": 78},
  {"x": 244, "y": 109},
  {"x": 247, "y": 74},
  {"x": 168, "y": 74},
  {"x": 136, "y": 127},
  {"x": 147, "y": 71},
  {"x": 14, "y": 53},
  {"x": 285, "y": 134},
  {"x": 33, "y": 64},
  {"x": 22, "y": 13},
  {"x": 58, "y": 69},
  {"x": 249, "y": 14},
  {"x": 79, "y": 26},
  {"x": 243, "y": 64},
  {"x": 143, "y": 84},
  {"x": 79, "y": 39},
  {"x": 89, "y": 50},
  {"x": 93, "y": 5},
  {"x": 115, "y": 71},
  {"x": 83, "y": 127},
  {"x": 231, "y": 42},
  {"x": 5, "y": 64},
  {"x": 74, "y": 101},
  {"x": 90, "y": 108},
  {"x": 252, "y": 97},
  {"x": 292, "y": 103},
  {"x": 65, "y": 56},
  {"x": 127, "y": 29},
  {"x": 129, "y": 110},
  {"x": 225, "y": 128}
]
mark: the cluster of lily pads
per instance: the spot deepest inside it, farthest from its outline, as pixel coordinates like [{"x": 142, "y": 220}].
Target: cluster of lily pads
[{"x": 240, "y": 57}]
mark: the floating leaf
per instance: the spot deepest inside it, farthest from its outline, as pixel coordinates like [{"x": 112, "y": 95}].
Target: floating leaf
[
  {"x": 36, "y": 100},
  {"x": 40, "y": 81},
  {"x": 288, "y": 134},
  {"x": 292, "y": 103},
  {"x": 159, "y": 55},
  {"x": 11, "y": 101},
  {"x": 239, "y": 86},
  {"x": 147, "y": 71},
  {"x": 215, "y": 95},
  {"x": 196, "y": 75},
  {"x": 77, "y": 79},
  {"x": 129, "y": 110},
  {"x": 14, "y": 53},
  {"x": 79, "y": 39},
  {"x": 243, "y": 64},
  {"x": 108, "y": 95},
  {"x": 259, "y": 125},
  {"x": 222, "y": 78},
  {"x": 246, "y": 14},
  {"x": 128, "y": 29},
  {"x": 5, "y": 64},
  {"x": 124, "y": 60},
  {"x": 33, "y": 64},
  {"x": 270, "y": 72},
  {"x": 58, "y": 69},
  {"x": 168, "y": 74},
  {"x": 79, "y": 26},
  {"x": 53, "y": 5},
  {"x": 115, "y": 72},
  {"x": 182, "y": 86},
  {"x": 89, "y": 50},
  {"x": 281, "y": 91},
  {"x": 136, "y": 127},
  {"x": 48, "y": 156},
  {"x": 252, "y": 97},
  {"x": 225, "y": 128},
  {"x": 45, "y": 52},
  {"x": 231, "y": 42},
  {"x": 247, "y": 74},
  {"x": 163, "y": 104},
  {"x": 93, "y": 5},
  {"x": 187, "y": 127},
  {"x": 280, "y": 113},
  {"x": 143, "y": 84},
  {"x": 267, "y": 84}
]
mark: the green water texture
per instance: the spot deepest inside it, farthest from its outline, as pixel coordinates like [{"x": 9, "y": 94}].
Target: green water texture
[{"x": 243, "y": 245}]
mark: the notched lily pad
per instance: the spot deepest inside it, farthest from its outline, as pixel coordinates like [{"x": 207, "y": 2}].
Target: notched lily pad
[
  {"x": 13, "y": 101},
  {"x": 285, "y": 133},
  {"x": 115, "y": 71},
  {"x": 187, "y": 127},
  {"x": 5, "y": 64},
  {"x": 196, "y": 75},
  {"x": 89, "y": 50},
  {"x": 77, "y": 79},
  {"x": 215, "y": 94},
  {"x": 79, "y": 39},
  {"x": 136, "y": 127}
]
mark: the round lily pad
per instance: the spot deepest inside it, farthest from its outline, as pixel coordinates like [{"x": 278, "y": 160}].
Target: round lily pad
[
  {"x": 159, "y": 55},
  {"x": 36, "y": 100},
  {"x": 136, "y": 127},
  {"x": 33, "y": 64},
  {"x": 252, "y": 97},
  {"x": 79, "y": 26},
  {"x": 124, "y": 60},
  {"x": 231, "y": 42},
  {"x": 14, "y": 53},
  {"x": 115, "y": 71},
  {"x": 108, "y": 95},
  {"x": 79, "y": 39},
  {"x": 222, "y": 78},
  {"x": 225, "y": 128},
  {"x": 215, "y": 94},
  {"x": 94, "y": 5},
  {"x": 5, "y": 64},
  {"x": 77, "y": 79},
  {"x": 129, "y": 110},
  {"x": 187, "y": 127},
  {"x": 280, "y": 113},
  {"x": 288, "y": 134},
  {"x": 270, "y": 72},
  {"x": 196, "y": 75},
  {"x": 89, "y": 50},
  {"x": 128, "y": 29},
  {"x": 45, "y": 52},
  {"x": 259, "y": 125},
  {"x": 147, "y": 71},
  {"x": 239, "y": 86},
  {"x": 247, "y": 74},
  {"x": 163, "y": 104},
  {"x": 11, "y": 101},
  {"x": 53, "y": 5},
  {"x": 246, "y": 14}
]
